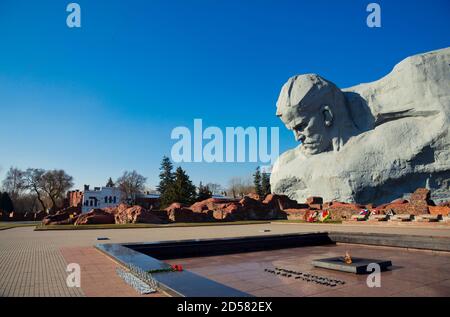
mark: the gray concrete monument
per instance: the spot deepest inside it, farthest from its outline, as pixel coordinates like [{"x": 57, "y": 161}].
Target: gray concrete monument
[{"x": 369, "y": 143}]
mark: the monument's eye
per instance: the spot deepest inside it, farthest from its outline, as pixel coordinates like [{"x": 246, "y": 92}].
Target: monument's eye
[{"x": 300, "y": 127}]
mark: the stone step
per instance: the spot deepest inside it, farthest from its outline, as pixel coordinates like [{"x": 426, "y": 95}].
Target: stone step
[
  {"x": 378, "y": 218},
  {"x": 427, "y": 218},
  {"x": 401, "y": 218},
  {"x": 359, "y": 218}
]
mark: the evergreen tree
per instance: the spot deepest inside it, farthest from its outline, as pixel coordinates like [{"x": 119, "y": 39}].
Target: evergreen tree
[
  {"x": 110, "y": 183},
  {"x": 182, "y": 190},
  {"x": 257, "y": 182},
  {"x": 167, "y": 179},
  {"x": 3, "y": 215},
  {"x": 203, "y": 192},
  {"x": 265, "y": 184},
  {"x": 6, "y": 203}
]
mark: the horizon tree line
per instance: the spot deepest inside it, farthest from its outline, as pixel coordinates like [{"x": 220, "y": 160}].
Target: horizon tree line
[{"x": 36, "y": 189}]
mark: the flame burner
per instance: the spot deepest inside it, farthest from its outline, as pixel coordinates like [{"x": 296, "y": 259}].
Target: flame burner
[
  {"x": 351, "y": 265},
  {"x": 348, "y": 258}
]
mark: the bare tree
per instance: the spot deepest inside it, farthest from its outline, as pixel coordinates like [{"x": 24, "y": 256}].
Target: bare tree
[
  {"x": 214, "y": 188},
  {"x": 239, "y": 187},
  {"x": 55, "y": 183},
  {"x": 26, "y": 202},
  {"x": 33, "y": 182},
  {"x": 14, "y": 182},
  {"x": 130, "y": 184}
]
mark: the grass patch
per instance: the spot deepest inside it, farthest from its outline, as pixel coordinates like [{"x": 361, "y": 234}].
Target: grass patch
[
  {"x": 306, "y": 222},
  {"x": 10, "y": 225},
  {"x": 145, "y": 225}
]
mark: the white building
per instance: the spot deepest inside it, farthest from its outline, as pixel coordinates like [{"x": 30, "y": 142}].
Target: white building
[{"x": 100, "y": 198}]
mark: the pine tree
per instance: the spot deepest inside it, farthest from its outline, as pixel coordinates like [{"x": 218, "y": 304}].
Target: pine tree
[
  {"x": 182, "y": 190},
  {"x": 265, "y": 184},
  {"x": 110, "y": 183},
  {"x": 203, "y": 192},
  {"x": 3, "y": 215},
  {"x": 257, "y": 182},
  {"x": 6, "y": 204},
  {"x": 167, "y": 179}
]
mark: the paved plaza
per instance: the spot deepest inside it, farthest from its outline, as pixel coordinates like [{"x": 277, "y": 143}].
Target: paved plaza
[
  {"x": 34, "y": 262},
  {"x": 412, "y": 273}
]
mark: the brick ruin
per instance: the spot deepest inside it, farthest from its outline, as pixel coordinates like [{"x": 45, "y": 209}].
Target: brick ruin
[{"x": 251, "y": 207}]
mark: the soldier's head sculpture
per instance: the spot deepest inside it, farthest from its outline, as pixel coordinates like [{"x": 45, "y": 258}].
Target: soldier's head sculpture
[{"x": 316, "y": 111}]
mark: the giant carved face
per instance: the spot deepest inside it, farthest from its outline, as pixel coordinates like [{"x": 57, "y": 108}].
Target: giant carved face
[{"x": 305, "y": 107}]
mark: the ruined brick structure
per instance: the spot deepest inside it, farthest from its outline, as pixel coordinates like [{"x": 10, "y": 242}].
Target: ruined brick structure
[{"x": 74, "y": 198}]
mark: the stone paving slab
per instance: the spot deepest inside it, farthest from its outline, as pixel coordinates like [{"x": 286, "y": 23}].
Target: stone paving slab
[
  {"x": 31, "y": 268},
  {"x": 412, "y": 273},
  {"x": 98, "y": 274},
  {"x": 33, "y": 265}
]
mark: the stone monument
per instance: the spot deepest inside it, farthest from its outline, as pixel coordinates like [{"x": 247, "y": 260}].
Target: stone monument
[{"x": 370, "y": 143}]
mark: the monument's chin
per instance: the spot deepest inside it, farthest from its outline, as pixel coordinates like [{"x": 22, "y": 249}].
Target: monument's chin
[
  {"x": 399, "y": 143},
  {"x": 310, "y": 148}
]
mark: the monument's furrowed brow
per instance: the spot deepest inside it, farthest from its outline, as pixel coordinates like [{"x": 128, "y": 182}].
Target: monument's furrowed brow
[{"x": 299, "y": 126}]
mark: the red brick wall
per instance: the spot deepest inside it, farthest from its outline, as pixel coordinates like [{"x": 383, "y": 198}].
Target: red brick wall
[{"x": 75, "y": 198}]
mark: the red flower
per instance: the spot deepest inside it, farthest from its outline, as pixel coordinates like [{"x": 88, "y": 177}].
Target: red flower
[{"x": 177, "y": 267}]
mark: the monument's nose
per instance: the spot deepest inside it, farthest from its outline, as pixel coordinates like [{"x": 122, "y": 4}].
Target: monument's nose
[{"x": 299, "y": 137}]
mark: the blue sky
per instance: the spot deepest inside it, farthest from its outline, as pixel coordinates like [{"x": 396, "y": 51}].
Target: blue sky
[{"x": 104, "y": 98}]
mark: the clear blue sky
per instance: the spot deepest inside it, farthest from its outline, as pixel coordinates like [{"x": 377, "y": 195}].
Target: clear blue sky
[{"x": 103, "y": 99}]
